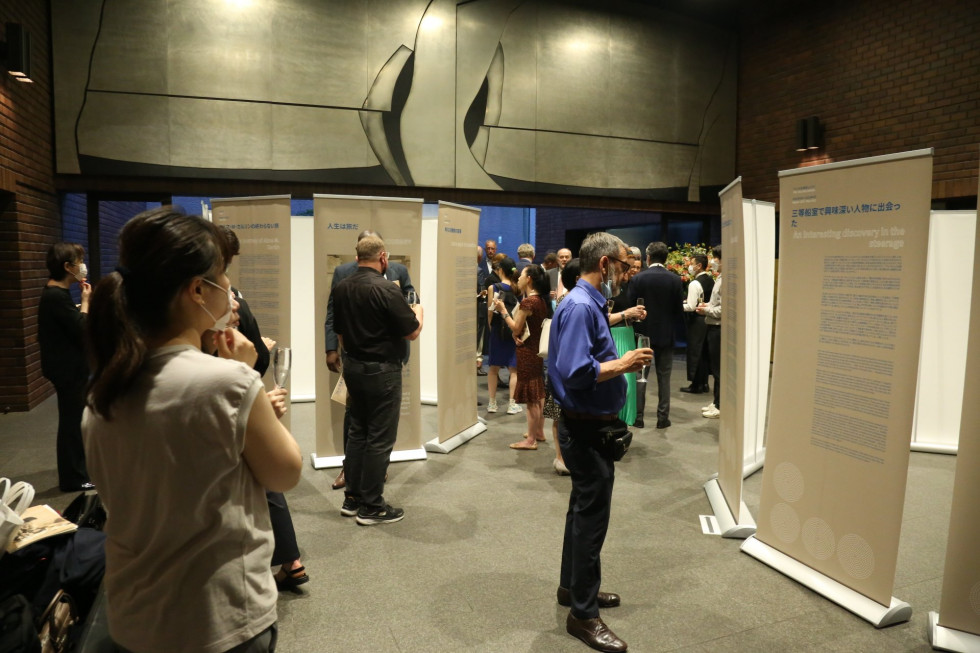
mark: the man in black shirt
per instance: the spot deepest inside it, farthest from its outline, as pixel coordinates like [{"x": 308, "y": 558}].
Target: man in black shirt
[{"x": 373, "y": 322}]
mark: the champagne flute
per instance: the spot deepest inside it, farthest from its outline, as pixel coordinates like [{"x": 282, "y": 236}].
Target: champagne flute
[
  {"x": 282, "y": 360},
  {"x": 412, "y": 298},
  {"x": 639, "y": 302},
  {"x": 642, "y": 342}
]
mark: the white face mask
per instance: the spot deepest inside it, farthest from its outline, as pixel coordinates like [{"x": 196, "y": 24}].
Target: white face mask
[
  {"x": 610, "y": 284},
  {"x": 82, "y": 272},
  {"x": 221, "y": 323},
  {"x": 690, "y": 269}
]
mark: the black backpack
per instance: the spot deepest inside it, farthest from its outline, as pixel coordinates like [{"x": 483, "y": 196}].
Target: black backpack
[{"x": 17, "y": 632}]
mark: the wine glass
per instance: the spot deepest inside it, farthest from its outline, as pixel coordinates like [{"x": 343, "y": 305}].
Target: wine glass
[
  {"x": 282, "y": 360},
  {"x": 412, "y": 298},
  {"x": 642, "y": 342},
  {"x": 639, "y": 302}
]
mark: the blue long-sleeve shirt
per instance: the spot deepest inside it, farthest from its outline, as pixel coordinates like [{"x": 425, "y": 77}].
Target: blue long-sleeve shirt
[{"x": 579, "y": 341}]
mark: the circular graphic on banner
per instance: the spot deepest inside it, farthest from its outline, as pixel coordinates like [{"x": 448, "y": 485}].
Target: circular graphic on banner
[
  {"x": 975, "y": 598},
  {"x": 855, "y": 556},
  {"x": 784, "y": 522},
  {"x": 788, "y": 481},
  {"x": 818, "y": 538}
]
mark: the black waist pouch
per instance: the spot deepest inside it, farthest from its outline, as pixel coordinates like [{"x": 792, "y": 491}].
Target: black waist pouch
[
  {"x": 614, "y": 440},
  {"x": 611, "y": 439}
]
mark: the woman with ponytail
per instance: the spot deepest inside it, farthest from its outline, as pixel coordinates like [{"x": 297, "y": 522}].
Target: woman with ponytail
[{"x": 182, "y": 446}]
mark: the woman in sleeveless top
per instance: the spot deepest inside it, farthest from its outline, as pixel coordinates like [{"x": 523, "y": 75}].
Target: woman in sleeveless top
[{"x": 534, "y": 308}]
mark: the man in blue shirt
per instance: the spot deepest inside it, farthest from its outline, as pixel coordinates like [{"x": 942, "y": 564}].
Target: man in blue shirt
[{"x": 587, "y": 380}]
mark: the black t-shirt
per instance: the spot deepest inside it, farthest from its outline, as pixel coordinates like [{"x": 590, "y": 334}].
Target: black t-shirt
[
  {"x": 373, "y": 317},
  {"x": 60, "y": 333}
]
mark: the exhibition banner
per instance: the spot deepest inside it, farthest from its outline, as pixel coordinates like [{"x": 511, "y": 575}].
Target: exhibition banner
[
  {"x": 942, "y": 357},
  {"x": 338, "y": 219},
  {"x": 731, "y": 429},
  {"x": 759, "y": 278},
  {"x": 261, "y": 271},
  {"x": 959, "y": 607},
  {"x": 458, "y": 231},
  {"x": 851, "y": 279}
]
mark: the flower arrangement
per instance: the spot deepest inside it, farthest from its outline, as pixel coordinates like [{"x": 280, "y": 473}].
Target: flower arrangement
[{"x": 678, "y": 258}]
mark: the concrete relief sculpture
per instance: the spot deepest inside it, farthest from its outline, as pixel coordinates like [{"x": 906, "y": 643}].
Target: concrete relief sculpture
[{"x": 493, "y": 94}]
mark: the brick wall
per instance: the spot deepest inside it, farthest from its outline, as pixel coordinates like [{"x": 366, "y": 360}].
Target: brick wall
[
  {"x": 29, "y": 220},
  {"x": 883, "y": 76}
]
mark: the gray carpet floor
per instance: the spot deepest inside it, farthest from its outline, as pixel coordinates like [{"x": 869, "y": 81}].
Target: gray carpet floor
[{"x": 474, "y": 565}]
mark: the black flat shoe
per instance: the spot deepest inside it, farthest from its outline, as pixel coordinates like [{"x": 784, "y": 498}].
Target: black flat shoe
[{"x": 293, "y": 579}]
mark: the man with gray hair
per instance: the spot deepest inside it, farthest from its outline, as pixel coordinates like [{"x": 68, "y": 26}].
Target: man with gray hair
[
  {"x": 373, "y": 322},
  {"x": 525, "y": 257},
  {"x": 586, "y": 377}
]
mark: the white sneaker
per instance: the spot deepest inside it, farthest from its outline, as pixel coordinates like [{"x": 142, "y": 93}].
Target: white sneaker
[
  {"x": 492, "y": 406},
  {"x": 704, "y": 408},
  {"x": 711, "y": 414},
  {"x": 513, "y": 409}
]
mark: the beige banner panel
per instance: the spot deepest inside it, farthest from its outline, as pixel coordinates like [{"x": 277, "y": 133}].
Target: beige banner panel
[
  {"x": 261, "y": 271},
  {"x": 959, "y": 606},
  {"x": 851, "y": 280},
  {"x": 337, "y": 221},
  {"x": 458, "y": 232},
  {"x": 942, "y": 355},
  {"x": 731, "y": 429}
]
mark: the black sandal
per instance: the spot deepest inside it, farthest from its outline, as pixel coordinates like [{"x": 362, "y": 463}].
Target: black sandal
[{"x": 293, "y": 579}]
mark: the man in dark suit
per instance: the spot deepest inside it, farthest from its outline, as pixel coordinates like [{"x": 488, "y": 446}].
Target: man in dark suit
[
  {"x": 662, "y": 293},
  {"x": 395, "y": 272}
]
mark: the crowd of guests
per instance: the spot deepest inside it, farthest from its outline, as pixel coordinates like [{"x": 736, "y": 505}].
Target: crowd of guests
[{"x": 652, "y": 302}]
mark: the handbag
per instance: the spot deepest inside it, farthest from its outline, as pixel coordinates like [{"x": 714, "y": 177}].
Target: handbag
[
  {"x": 56, "y": 622},
  {"x": 545, "y": 336},
  {"x": 14, "y": 500}
]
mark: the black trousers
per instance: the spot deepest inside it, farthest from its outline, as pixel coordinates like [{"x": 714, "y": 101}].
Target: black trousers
[
  {"x": 587, "y": 519},
  {"x": 70, "y": 450},
  {"x": 286, "y": 549},
  {"x": 663, "y": 360},
  {"x": 698, "y": 367},
  {"x": 374, "y": 391},
  {"x": 714, "y": 348}
]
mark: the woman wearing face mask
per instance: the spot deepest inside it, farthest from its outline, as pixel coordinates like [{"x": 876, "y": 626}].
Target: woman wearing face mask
[
  {"x": 60, "y": 334},
  {"x": 182, "y": 446}
]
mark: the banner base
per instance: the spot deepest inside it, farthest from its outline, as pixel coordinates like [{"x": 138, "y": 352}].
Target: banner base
[
  {"x": 931, "y": 447},
  {"x": 877, "y": 614},
  {"x": 325, "y": 462},
  {"x": 457, "y": 440},
  {"x": 949, "y": 639},
  {"x": 729, "y": 526},
  {"x": 429, "y": 400}
]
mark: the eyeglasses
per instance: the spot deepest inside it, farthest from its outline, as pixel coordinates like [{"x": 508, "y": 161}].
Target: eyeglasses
[{"x": 613, "y": 258}]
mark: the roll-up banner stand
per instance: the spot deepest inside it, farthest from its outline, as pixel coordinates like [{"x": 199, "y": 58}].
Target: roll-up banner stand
[
  {"x": 261, "y": 271},
  {"x": 337, "y": 221},
  {"x": 748, "y": 242},
  {"x": 942, "y": 356},
  {"x": 851, "y": 282},
  {"x": 458, "y": 229},
  {"x": 957, "y": 625}
]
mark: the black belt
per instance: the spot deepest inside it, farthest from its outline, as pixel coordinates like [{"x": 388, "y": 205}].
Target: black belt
[
  {"x": 587, "y": 417},
  {"x": 371, "y": 367}
]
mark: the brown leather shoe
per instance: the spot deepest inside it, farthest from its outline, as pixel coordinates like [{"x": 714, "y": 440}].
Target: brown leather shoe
[
  {"x": 595, "y": 633},
  {"x": 606, "y": 599},
  {"x": 340, "y": 482}
]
